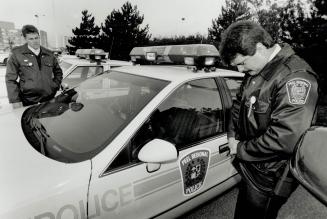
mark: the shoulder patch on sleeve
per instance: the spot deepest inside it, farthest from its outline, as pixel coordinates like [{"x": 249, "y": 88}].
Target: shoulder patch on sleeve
[{"x": 298, "y": 90}]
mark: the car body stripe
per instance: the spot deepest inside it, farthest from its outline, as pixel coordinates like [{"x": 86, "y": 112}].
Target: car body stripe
[
  {"x": 145, "y": 187},
  {"x": 157, "y": 183},
  {"x": 216, "y": 158},
  {"x": 234, "y": 176}
]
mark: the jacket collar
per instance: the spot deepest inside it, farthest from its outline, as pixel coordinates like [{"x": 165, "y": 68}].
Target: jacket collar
[
  {"x": 43, "y": 51},
  {"x": 35, "y": 51},
  {"x": 281, "y": 57},
  {"x": 25, "y": 49}
]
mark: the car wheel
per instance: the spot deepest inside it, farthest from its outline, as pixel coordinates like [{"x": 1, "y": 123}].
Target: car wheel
[{"x": 5, "y": 61}]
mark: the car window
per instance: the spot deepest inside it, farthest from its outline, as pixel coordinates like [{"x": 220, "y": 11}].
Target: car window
[
  {"x": 233, "y": 85},
  {"x": 85, "y": 72},
  {"x": 94, "y": 70},
  {"x": 64, "y": 65},
  {"x": 78, "y": 72},
  {"x": 80, "y": 122},
  {"x": 189, "y": 115},
  {"x": 75, "y": 77},
  {"x": 81, "y": 73}
]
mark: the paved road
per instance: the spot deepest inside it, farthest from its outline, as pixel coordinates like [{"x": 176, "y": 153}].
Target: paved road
[{"x": 301, "y": 205}]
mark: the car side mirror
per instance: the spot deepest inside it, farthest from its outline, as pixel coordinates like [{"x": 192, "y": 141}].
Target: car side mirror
[
  {"x": 64, "y": 86},
  {"x": 156, "y": 152},
  {"x": 308, "y": 164}
]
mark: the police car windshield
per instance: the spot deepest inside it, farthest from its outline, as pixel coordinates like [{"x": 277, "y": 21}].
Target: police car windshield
[
  {"x": 78, "y": 124},
  {"x": 65, "y": 65}
]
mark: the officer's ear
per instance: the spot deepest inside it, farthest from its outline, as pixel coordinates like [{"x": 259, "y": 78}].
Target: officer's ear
[
  {"x": 260, "y": 47},
  {"x": 261, "y": 50}
]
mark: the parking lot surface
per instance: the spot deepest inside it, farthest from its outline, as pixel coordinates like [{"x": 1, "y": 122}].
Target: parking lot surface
[{"x": 301, "y": 205}]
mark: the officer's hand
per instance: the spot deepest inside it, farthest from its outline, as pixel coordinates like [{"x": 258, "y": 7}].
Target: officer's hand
[
  {"x": 17, "y": 105},
  {"x": 232, "y": 143}
]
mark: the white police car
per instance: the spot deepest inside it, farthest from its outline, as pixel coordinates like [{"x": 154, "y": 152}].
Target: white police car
[
  {"x": 86, "y": 63},
  {"x": 4, "y": 57},
  {"x": 138, "y": 142}
]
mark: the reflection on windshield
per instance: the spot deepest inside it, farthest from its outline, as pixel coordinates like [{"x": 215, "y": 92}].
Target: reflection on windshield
[{"x": 80, "y": 122}]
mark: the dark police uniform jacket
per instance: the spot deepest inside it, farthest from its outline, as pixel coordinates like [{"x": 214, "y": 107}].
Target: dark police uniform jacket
[
  {"x": 36, "y": 83},
  {"x": 284, "y": 97}
]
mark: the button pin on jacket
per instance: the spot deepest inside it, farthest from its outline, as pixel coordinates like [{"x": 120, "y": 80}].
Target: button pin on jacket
[{"x": 252, "y": 101}]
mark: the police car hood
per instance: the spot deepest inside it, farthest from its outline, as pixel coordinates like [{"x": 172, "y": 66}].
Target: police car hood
[{"x": 28, "y": 177}]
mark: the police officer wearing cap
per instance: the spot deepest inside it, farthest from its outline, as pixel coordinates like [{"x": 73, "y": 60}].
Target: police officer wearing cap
[
  {"x": 274, "y": 107},
  {"x": 36, "y": 68}
]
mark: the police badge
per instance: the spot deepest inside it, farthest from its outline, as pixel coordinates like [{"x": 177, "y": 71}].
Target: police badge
[
  {"x": 193, "y": 167},
  {"x": 298, "y": 90}
]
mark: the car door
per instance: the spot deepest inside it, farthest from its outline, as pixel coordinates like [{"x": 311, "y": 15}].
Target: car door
[
  {"x": 193, "y": 119},
  {"x": 204, "y": 160}
]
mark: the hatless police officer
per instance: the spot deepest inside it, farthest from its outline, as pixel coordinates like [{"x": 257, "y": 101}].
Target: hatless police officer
[
  {"x": 36, "y": 68},
  {"x": 275, "y": 106}
]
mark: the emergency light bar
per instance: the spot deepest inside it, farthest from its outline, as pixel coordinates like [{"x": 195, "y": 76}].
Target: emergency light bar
[
  {"x": 93, "y": 54},
  {"x": 199, "y": 55}
]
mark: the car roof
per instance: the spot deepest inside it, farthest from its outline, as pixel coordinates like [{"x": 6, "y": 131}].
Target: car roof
[
  {"x": 78, "y": 61},
  {"x": 175, "y": 73}
]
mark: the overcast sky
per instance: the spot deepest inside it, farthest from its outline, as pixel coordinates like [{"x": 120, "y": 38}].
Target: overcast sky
[{"x": 163, "y": 16}]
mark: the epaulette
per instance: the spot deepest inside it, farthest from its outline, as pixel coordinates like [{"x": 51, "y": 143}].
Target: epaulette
[{"x": 295, "y": 64}]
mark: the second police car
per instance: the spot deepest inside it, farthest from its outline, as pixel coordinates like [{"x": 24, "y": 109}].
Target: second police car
[
  {"x": 4, "y": 57},
  {"x": 85, "y": 64},
  {"x": 138, "y": 142},
  {"x": 76, "y": 68}
]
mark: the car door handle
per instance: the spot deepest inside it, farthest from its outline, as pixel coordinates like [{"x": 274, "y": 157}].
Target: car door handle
[{"x": 223, "y": 148}]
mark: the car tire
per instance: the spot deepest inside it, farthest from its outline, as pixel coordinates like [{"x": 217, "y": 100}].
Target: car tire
[{"x": 5, "y": 61}]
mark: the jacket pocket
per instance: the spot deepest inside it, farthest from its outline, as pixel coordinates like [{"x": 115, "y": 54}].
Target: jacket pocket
[
  {"x": 48, "y": 86},
  {"x": 273, "y": 168},
  {"x": 261, "y": 113},
  {"x": 266, "y": 174},
  {"x": 259, "y": 179},
  {"x": 50, "y": 65},
  {"x": 261, "y": 107},
  {"x": 27, "y": 85}
]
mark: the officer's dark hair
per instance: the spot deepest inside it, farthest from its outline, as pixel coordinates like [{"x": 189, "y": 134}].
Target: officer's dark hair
[
  {"x": 29, "y": 29},
  {"x": 242, "y": 37}
]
